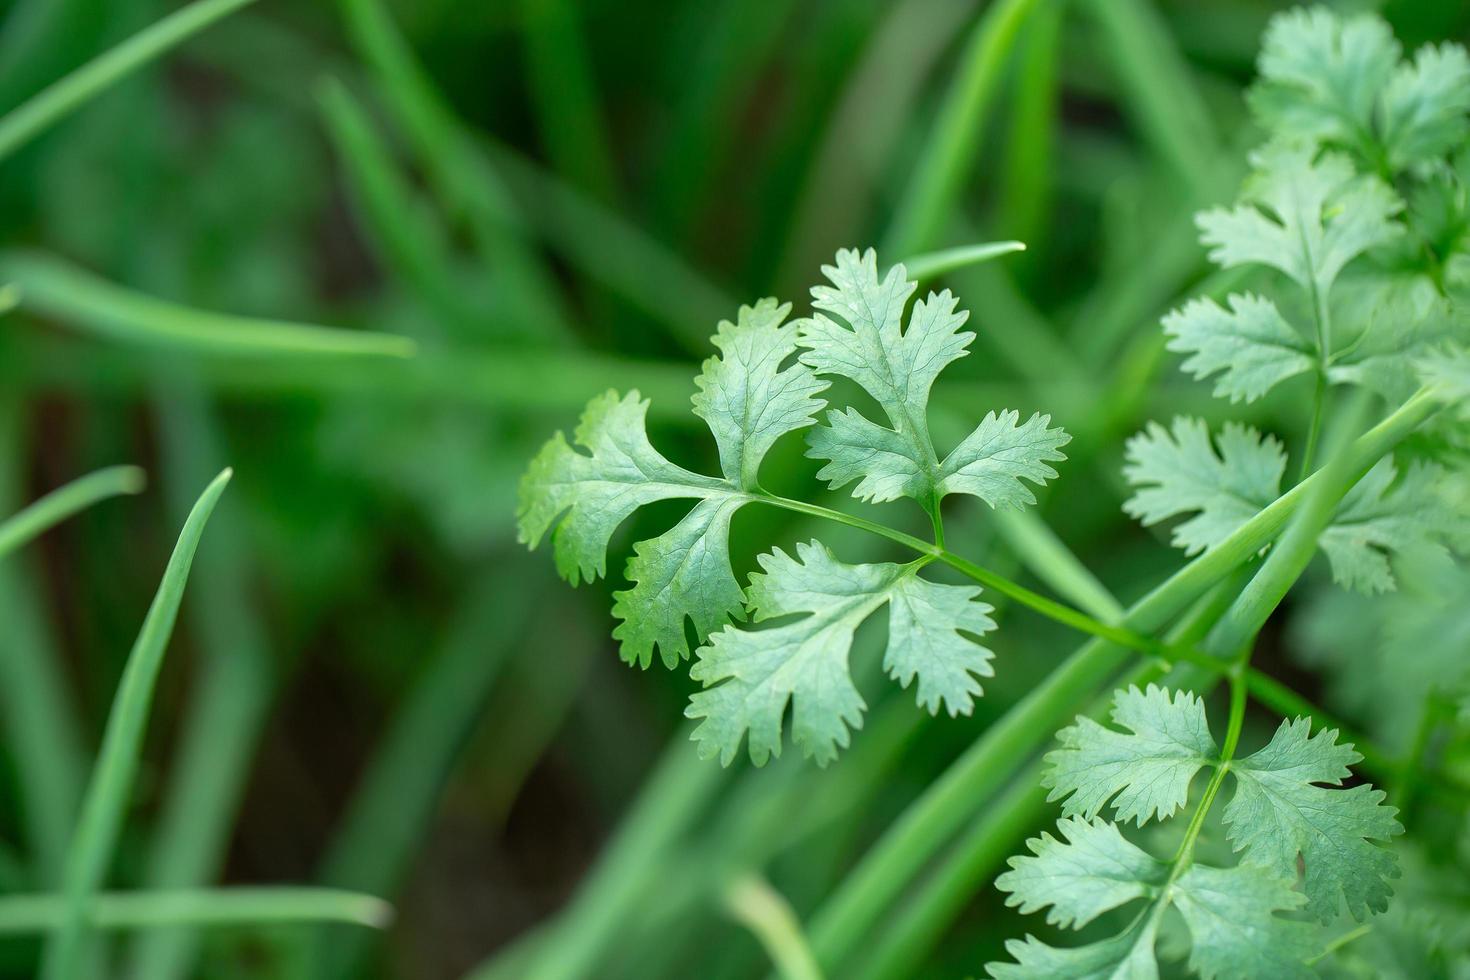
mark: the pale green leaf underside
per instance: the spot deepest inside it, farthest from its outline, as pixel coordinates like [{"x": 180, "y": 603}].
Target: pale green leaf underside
[
  {"x": 1230, "y": 913},
  {"x": 1278, "y": 812},
  {"x": 1306, "y": 218},
  {"x": 745, "y": 395},
  {"x": 749, "y": 400},
  {"x": 1249, "y": 345},
  {"x": 858, "y": 333},
  {"x": 1339, "y": 80},
  {"x": 750, "y": 675},
  {"x": 1145, "y": 770},
  {"x": 1220, "y": 485},
  {"x": 1091, "y": 869}
]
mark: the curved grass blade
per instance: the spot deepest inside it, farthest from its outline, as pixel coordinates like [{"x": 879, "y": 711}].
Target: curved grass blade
[
  {"x": 930, "y": 265},
  {"x": 234, "y": 907},
  {"x": 62, "y": 503},
  {"x": 63, "y": 97},
  {"x": 55, "y": 288},
  {"x": 106, "y": 800},
  {"x": 766, "y": 913}
]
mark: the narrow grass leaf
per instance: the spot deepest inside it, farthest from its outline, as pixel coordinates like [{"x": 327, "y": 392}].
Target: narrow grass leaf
[{"x": 60, "y": 504}]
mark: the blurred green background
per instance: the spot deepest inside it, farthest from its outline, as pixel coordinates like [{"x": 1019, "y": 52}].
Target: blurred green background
[{"x": 373, "y": 685}]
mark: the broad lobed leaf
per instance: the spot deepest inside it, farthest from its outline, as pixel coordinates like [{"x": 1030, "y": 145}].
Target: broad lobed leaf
[
  {"x": 858, "y": 333},
  {"x": 1222, "y": 484},
  {"x": 1144, "y": 770},
  {"x": 1306, "y": 217},
  {"x": 1280, "y": 811},
  {"x": 750, "y": 675},
  {"x": 1249, "y": 344}
]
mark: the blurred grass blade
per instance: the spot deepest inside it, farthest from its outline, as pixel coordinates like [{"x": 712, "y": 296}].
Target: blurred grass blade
[
  {"x": 564, "y": 95},
  {"x": 394, "y": 219},
  {"x": 105, "y": 805},
  {"x": 42, "y": 735},
  {"x": 9, "y": 297},
  {"x": 390, "y": 813},
  {"x": 931, "y": 265},
  {"x": 1161, "y": 95},
  {"x": 1026, "y": 181},
  {"x": 63, "y": 97},
  {"x": 52, "y": 287},
  {"x": 234, "y": 907},
  {"x": 457, "y": 173},
  {"x": 62, "y": 503},
  {"x": 761, "y": 909},
  {"x": 950, "y": 151},
  {"x": 230, "y": 694}
]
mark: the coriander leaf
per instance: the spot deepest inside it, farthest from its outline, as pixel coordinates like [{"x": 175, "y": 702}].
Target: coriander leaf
[
  {"x": 1447, "y": 372},
  {"x": 1178, "y": 472},
  {"x": 1380, "y": 517},
  {"x": 1320, "y": 76},
  {"x": 1422, "y": 114},
  {"x": 1385, "y": 327},
  {"x": 1251, "y": 345},
  {"x": 749, "y": 400},
  {"x": 751, "y": 674},
  {"x": 746, "y": 397},
  {"x": 1307, "y": 218},
  {"x": 1278, "y": 812},
  {"x": 1002, "y": 451},
  {"x": 1092, "y": 869},
  {"x": 583, "y": 498},
  {"x": 858, "y": 333},
  {"x": 1145, "y": 770},
  {"x": 1233, "y": 926},
  {"x": 684, "y": 571},
  {"x": 1126, "y": 956}
]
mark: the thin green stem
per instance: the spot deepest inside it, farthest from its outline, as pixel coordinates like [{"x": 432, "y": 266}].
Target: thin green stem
[
  {"x": 62, "y": 503},
  {"x": 763, "y": 910},
  {"x": 65, "y": 96},
  {"x": 105, "y": 804},
  {"x": 1185, "y": 852},
  {"x": 1314, "y": 430},
  {"x": 195, "y": 907}
]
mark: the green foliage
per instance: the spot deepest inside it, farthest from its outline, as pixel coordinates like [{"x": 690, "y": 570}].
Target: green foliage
[
  {"x": 1221, "y": 485},
  {"x": 858, "y": 333},
  {"x": 1288, "y": 810},
  {"x": 762, "y": 386},
  {"x": 750, "y": 675}
]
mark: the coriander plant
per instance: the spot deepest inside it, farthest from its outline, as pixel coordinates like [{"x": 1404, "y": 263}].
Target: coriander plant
[{"x": 1345, "y": 261}]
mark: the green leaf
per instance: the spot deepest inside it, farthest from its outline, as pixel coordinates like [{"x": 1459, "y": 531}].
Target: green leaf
[
  {"x": 1383, "y": 328},
  {"x": 1126, "y": 956},
  {"x": 1383, "y": 516},
  {"x": 1092, "y": 869},
  {"x": 1422, "y": 114},
  {"x": 745, "y": 395},
  {"x": 749, "y": 400},
  {"x": 1321, "y": 76},
  {"x": 1250, "y": 345},
  {"x": 1178, "y": 472},
  {"x": 1231, "y": 914},
  {"x": 1234, "y": 930},
  {"x": 751, "y": 674},
  {"x": 583, "y": 498},
  {"x": 683, "y": 572},
  {"x": 858, "y": 333},
  {"x": 1279, "y": 812},
  {"x": 1307, "y": 218},
  {"x": 1001, "y": 452},
  {"x": 1145, "y": 770}
]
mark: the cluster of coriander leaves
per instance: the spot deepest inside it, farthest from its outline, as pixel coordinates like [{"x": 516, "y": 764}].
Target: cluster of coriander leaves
[
  {"x": 765, "y": 383},
  {"x": 1355, "y": 224}
]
